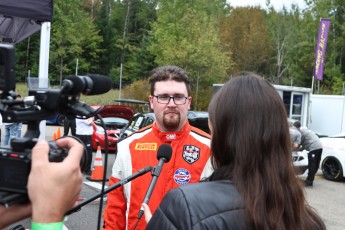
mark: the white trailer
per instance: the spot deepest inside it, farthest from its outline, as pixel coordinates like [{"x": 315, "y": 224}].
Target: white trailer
[
  {"x": 296, "y": 101},
  {"x": 327, "y": 114}
]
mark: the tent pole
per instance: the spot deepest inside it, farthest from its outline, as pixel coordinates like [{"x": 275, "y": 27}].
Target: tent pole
[{"x": 43, "y": 66}]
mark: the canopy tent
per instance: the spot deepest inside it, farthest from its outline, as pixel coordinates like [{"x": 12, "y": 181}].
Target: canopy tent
[{"x": 21, "y": 18}]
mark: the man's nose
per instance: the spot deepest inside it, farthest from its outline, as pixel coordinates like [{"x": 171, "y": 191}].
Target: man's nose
[{"x": 171, "y": 102}]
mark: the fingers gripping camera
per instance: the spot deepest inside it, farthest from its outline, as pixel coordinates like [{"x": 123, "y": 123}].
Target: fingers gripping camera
[{"x": 15, "y": 168}]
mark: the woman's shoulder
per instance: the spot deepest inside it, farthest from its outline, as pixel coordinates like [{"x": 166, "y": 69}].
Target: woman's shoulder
[
  {"x": 207, "y": 184},
  {"x": 206, "y": 203},
  {"x": 210, "y": 192}
]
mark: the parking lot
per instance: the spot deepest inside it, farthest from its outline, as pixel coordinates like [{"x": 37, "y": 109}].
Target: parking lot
[{"x": 327, "y": 197}]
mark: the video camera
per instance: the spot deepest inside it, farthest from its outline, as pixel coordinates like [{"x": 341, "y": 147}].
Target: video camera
[{"x": 41, "y": 104}]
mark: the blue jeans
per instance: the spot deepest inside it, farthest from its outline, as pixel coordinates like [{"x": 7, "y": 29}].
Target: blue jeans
[
  {"x": 19, "y": 130},
  {"x": 10, "y": 132}
]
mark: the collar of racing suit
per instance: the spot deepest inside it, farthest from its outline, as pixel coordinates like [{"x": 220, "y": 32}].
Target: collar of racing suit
[{"x": 171, "y": 136}]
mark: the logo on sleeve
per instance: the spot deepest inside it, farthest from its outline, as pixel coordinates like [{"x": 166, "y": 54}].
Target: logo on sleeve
[
  {"x": 182, "y": 176},
  {"x": 191, "y": 153}
]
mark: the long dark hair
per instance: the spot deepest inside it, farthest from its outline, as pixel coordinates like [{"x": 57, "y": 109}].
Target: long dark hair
[{"x": 250, "y": 138}]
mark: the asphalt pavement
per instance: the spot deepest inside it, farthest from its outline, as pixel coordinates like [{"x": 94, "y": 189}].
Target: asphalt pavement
[{"x": 326, "y": 197}]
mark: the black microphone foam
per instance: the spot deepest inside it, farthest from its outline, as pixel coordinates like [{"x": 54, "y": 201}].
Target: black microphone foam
[
  {"x": 92, "y": 84},
  {"x": 101, "y": 84},
  {"x": 164, "y": 151},
  {"x": 77, "y": 85}
]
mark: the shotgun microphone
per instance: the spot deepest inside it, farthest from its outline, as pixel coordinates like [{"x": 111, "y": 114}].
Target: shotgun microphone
[
  {"x": 92, "y": 84},
  {"x": 163, "y": 155}
]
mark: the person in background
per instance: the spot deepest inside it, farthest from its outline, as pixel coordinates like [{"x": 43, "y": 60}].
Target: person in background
[
  {"x": 295, "y": 137},
  {"x": 69, "y": 123},
  {"x": 310, "y": 142},
  {"x": 170, "y": 100},
  {"x": 254, "y": 185},
  {"x": 11, "y": 131},
  {"x": 84, "y": 130},
  {"x": 48, "y": 213},
  {"x": 19, "y": 124},
  {"x": 19, "y": 129}
]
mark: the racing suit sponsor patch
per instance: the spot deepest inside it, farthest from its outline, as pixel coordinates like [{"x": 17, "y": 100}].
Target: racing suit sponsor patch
[
  {"x": 146, "y": 146},
  {"x": 182, "y": 176},
  {"x": 171, "y": 136},
  {"x": 191, "y": 153}
]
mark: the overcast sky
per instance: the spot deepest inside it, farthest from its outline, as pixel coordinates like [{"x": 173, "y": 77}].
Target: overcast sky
[{"x": 277, "y": 4}]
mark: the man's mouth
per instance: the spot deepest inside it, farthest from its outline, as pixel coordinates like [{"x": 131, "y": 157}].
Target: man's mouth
[{"x": 170, "y": 113}]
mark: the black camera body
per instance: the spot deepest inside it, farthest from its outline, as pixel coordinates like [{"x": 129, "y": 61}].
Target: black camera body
[
  {"x": 41, "y": 104},
  {"x": 15, "y": 167}
]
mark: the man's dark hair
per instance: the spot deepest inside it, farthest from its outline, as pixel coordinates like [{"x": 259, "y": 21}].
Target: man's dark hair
[
  {"x": 165, "y": 73},
  {"x": 297, "y": 124}
]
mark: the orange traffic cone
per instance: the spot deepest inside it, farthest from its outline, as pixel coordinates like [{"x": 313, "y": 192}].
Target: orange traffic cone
[
  {"x": 58, "y": 133},
  {"x": 54, "y": 136},
  {"x": 98, "y": 169}
]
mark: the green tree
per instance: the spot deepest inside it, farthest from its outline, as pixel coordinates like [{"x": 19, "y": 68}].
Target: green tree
[
  {"x": 334, "y": 62},
  {"x": 27, "y": 57},
  {"x": 125, "y": 27},
  {"x": 244, "y": 33},
  {"x": 286, "y": 31},
  {"x": 73, "y": 37},
  {"x": 186, "y": 34}
]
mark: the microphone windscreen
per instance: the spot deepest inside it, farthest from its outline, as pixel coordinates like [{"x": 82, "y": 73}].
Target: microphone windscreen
[
  {"x": 101, "y": 84},
  {"x": 164, "y": 151},
  {"x": 78, "y": 84}
]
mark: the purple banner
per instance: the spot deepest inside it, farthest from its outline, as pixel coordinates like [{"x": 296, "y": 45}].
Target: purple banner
[{"x": 321, "y": 48}]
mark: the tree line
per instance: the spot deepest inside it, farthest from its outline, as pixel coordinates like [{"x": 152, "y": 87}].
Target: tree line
[{"x": 211, "y": 39}]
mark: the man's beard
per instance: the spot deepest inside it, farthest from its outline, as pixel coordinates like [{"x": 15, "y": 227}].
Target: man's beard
[{"x": 171, "y": 124}]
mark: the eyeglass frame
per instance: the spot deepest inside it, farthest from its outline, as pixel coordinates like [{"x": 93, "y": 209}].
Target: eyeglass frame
[{"x": 171, "y": 97}]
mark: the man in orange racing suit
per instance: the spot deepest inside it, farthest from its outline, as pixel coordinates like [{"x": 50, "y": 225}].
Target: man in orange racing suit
[{"x": 189, "y": 163}]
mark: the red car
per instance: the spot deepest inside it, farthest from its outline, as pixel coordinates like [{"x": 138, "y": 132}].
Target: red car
[
  {"x": 114, "y": 117},
  {"x": 121, "y": 111},
  {"x": 113, "y": 126}
]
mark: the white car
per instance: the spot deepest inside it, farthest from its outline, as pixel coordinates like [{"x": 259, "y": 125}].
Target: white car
[
  {"x": 333, "y": 157},
  {"x": 300, "y": 161}
]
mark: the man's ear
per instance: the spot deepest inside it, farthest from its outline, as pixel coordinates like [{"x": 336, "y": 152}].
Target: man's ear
[
  {"x": 189, "y": 102},
  {"x": 151, "y": 101}
]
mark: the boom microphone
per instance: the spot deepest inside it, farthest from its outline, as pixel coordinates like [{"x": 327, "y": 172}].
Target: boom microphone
[
  {"x": 163, "y": 155},
  {"x": 89, "y": 85}
]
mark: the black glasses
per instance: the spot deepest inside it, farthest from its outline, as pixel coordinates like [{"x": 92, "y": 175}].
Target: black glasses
[{"x": 165, "y": 99}]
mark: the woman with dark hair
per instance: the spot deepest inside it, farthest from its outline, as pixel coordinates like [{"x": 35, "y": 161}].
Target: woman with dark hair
[{"x": 254, "y": 185}]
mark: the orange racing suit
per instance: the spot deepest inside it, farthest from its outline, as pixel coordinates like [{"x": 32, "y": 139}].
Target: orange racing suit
[{"x": 189, "y": 164}]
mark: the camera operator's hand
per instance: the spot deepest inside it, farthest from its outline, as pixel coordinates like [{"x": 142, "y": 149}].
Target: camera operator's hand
[
  {"x": 54, "y": 188},
  {"x": 13, "y": 214}
]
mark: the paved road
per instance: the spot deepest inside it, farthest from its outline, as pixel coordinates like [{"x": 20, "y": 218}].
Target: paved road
[{"x": 326, "y": 197}]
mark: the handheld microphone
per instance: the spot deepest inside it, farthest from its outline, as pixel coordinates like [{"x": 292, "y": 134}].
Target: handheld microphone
[
  {"x": 89, "y": 85},
  {"x": 163, "y": 155}
]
